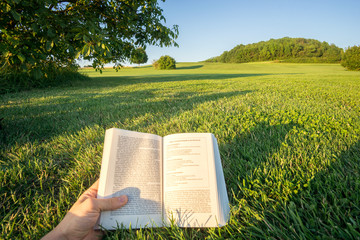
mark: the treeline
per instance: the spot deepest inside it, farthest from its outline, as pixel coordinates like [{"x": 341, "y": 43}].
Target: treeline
[{"x": 284, "y": 49}]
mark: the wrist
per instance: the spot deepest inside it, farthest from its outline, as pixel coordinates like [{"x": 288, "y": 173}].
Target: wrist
[{"x": 56, "y": 233}]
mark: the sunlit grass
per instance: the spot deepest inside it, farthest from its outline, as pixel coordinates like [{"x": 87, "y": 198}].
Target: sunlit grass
[{"x": 289, "y": 137}]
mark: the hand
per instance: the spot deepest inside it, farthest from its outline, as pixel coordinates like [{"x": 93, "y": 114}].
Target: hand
[{"x": 80, "y": 221}]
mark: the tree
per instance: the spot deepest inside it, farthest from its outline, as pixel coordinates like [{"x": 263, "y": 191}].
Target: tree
[
  {"x": 351, "y": 58},
  {"x": 165, "y": 62},
  {"x": 35, "y": 34},
  {"x": 139, "y": 56},
  {"x": 286, "y": 49}
]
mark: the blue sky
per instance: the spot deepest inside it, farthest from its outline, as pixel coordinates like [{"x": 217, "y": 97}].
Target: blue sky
[{"x": 209, "y": 27}]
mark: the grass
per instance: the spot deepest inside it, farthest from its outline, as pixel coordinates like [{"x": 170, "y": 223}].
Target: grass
[{"x": 289, "y": 137}]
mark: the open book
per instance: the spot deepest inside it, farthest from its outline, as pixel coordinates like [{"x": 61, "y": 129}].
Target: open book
[{"x": 177, "y": 178}]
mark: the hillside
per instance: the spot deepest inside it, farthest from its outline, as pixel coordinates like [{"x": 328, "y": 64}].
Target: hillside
[{"x": 285, "y": 49}]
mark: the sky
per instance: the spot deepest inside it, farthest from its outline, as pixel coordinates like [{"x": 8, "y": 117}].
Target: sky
[{"x": 207, "y": 28}]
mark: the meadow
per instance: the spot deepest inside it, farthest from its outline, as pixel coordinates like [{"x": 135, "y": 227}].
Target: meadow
[{"x": 289, "y": 138}]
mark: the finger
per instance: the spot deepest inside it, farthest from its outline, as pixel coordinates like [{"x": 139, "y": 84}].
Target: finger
[
  {"x": 109, "y": 204},
  {"x": 95, "y": 186},
  {"x": 90, "y": 193}
]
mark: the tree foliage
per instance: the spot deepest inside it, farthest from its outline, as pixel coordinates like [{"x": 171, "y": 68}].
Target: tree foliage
[
  {"x": 139, "y": 56},
  {"x": 165, "y": 63},
  {"x": 36, "y": 33},
  {"x": 287, "y": 49},
  {"x": 351, "y": 58}
]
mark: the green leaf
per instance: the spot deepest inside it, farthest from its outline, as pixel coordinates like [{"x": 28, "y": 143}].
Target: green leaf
[
  {"x": 107, "y": 52},
  {"x": 16, "y": 15},
  {"x": 14, "y": 42},
  {"x": 78, "y": 36},
  {"x": 86, "y": 39},
  {"x": 77, "y": 55},
  {"x": 35, "y": 27},
  {"x": 21, "y": 57},
  {"x": 49, "y": 45},
  {"x": 6, "y": 54},
  {"x": 7, "y": 8},
  {"x": 50, "y": 33},
  {"x": 86, "y": 50},
  {"x": 31, "y": 60}
]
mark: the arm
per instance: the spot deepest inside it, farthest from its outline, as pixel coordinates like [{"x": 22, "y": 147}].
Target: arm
[{"x": 79, "y": 222}]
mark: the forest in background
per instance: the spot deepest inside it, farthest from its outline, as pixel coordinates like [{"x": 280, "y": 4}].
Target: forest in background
[{"x": 299, "y": 50}]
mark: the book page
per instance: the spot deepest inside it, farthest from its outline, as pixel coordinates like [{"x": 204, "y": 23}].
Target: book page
[
  {"x": 132, "y": 166},
  {"x": 190, "y": 192},
  {"x": 224, "y": 207}
]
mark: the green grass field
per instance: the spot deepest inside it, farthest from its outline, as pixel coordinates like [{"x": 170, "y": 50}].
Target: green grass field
[{"x": 289, "y": 137}]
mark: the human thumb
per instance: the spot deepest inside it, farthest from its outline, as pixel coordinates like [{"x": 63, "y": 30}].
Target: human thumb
[{"x": 109, "y": 204}]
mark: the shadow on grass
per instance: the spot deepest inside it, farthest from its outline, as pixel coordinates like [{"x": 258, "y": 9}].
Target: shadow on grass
[
  {"x": 37, "y": 123},
  {"x": 191, "y": 67},
  {"x": 34, "y": 122},
  {"x": 249, "y": 151},
  {"x": 327, "y": 209},
  {"x": 76, "y": 111},
  {"x": 108, "y": 81}
]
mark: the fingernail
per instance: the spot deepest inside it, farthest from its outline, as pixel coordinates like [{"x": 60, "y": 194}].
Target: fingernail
[{"x": 123, "y": 199}]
